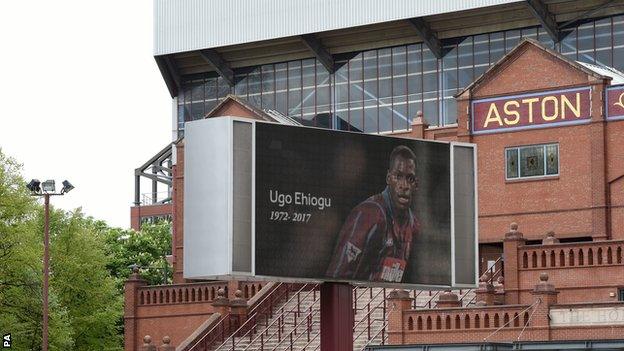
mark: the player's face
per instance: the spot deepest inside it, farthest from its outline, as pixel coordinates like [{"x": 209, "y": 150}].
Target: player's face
[{"x": 402, "y": 182}]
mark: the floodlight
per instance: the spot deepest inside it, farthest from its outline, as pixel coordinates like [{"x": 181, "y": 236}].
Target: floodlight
[
  {"x": 67, "y": 187},
  {"x": 34, "y": 186},
  {"x": 48, "y": 186}
]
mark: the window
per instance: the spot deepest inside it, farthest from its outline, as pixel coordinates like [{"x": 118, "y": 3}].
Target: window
[
  {"x": 621, "y": 294},
  {"x": 532, "y": 161}
]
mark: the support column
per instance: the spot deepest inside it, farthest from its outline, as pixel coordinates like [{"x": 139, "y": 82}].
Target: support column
[
  {"x": 336, "y": 317},
  {"x": 131, "y": 301},
  {"x": 513, "y": 240}
]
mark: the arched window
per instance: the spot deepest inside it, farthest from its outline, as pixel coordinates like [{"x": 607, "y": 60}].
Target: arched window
[
  {"x": 467, "y": 322},
  {"x": 438, "y": 322},
  {"x": 526, "y": 319},
  {"x": 534, "y": 259},
  {"x": 486, "y": 321},
  {"x": 581, "y": 260},
  {"x": 561, "y": 259},
  {"x": 142, "y": 298},
  {"x": 420, "y": 324},
  {"x": 552, "y": 258},
  {"x": 212, "y": 293},
  {"x": 410, "y": 324},
  {"x": 457, "y": 322},
  {"x": 496, "y": 321},
  {"x": 160, "y": 297},
  {"x": 571, "y": 257},
  {"x": 167, "y": 296},
  {"x": 590, "y": 257},
  {"x": 448, "y": 322},
  {"x": 429, "y": 323},
  {"x": 506, "y": 320},
  {"x": 253, "y": 290},
  {"x": 543, "y": 259},
  {"x": 477, "y": 321},
  {"x": 609, "y": 256},
  {"x": 599, "y": 258},
  {"x": 525, "y": 260},
  {"x": 516, "y": 320},
  {"x": 618, "y": 255}
]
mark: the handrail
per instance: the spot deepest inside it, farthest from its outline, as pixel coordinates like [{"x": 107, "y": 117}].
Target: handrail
[
  {"x": 277, "y": 318},
  {"x": 249, "y": 320},
  {"x": 310, "y": 314},
  {"x": 383, "y": 339},
  {"x": 205, "y": 335},
  {"x": 261, "y": 303},
  {"x": 311, "y": 341},
  {"x": 371, "y": 310}
]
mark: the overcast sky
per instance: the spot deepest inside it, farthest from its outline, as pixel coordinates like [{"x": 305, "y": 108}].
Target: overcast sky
[{"x": 81, "y": 98}]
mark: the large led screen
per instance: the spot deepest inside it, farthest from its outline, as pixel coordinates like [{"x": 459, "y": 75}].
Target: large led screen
[{"x": 352, "y": 207}]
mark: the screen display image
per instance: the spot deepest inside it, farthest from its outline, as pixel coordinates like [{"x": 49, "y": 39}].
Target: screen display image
[{"x": 351, "y": 208}]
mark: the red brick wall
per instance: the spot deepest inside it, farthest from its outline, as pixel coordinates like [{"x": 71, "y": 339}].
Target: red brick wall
[{"x": 137, "y": 212}]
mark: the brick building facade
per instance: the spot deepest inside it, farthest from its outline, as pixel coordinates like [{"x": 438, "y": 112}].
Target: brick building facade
[{"x": 565, "y": 252}]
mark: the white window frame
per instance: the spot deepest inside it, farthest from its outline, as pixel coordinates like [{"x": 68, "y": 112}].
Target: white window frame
[{"x": 518, "y": 149}]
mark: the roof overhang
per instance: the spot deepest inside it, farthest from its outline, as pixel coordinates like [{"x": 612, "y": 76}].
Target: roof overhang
[{"x": 241, "y": 33}]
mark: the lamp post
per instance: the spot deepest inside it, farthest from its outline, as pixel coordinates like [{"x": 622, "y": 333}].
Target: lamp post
[{"x": 46, "y": 189}]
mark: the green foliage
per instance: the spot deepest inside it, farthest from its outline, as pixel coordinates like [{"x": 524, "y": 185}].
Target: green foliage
[
  {"x": 146, "y": 248},
  {"x": 89, "y": 264}
]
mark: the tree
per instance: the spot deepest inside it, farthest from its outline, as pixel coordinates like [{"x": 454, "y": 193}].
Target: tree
[
  {"x": 147, "y": 248},
  {"x": 21, "y": 252}
]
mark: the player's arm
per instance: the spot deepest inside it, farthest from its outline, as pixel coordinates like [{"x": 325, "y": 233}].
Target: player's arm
[{"x": 361, "y": 225}]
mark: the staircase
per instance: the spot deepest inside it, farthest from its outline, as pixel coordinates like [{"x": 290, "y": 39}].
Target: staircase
[{"x": 293, "y": 320}]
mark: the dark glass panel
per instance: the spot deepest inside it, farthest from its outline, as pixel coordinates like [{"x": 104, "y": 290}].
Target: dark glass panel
[
  {"x": 356, "y": 120},
  {"x": 341, "y": 91},
  {"x": 268, "y": 87},
  {"x": 414, "y": 79},
  {"x": 370, "y": 118},
  {"x": 603, "y": 42},
  {"x": 281, "y": 83},
  {"x": 430, "y": 88},
  {"x": 512, "y": 163},
  {"x": 322, "y": 89},
  {"x": 197, "y": 110},
  {"x": 197, "y": 91},
  {"x": 585, "y": 43},
  {"x": 385, "y": 117},
  {"x": 355, "y": 82},
  {"x": 552, "y": 159},
  {"x": 254, "y": 87},
  {"x": 618, "y": 42},
  {"x": 450, "y": 110},
  {"x": 532, "y": 161},
  {"x": 481, "y": 55},
  {"x": 241, "y": 86},
  {"x": 530, "y": 33},
  {"x": 512, "y": 38},
  {"x": 223, "y": 89},
  {"x": 384, "y": 58},
  {"x": 544, "y": 38},
  {"x": 400, "y": 118},
  {"x": 308, "y": 67},
  {"x": 399, "y": 87},
  {"x": 568, "y": 45},
  {"x": 294, "y": 89},
  {"x": 497, "y": 47}
]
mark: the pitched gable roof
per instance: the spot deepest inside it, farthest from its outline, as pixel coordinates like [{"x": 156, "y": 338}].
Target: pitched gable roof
[
  {"x": 494, "y": 69},
  {"x": 265, "y": 115}
]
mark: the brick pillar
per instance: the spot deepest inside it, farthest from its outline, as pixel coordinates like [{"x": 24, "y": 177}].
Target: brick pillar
[
  {"x": 463, "y": 118},
  {"x": 513, "y": 240},
  {"x": 238, "y": 309},
  {"x": 399, "y": 301},
  {"x": 485, "y": 292},
  {"x": 598, "y": 180},
  {"x": 178, "y": 215},
  {"x": 166, "y": 345},
  {"x": 147, "y": 344},
  {"x": 131, "y": 301},
  {"x": 419, "y": 126},
  {"x": 233, "y": 286},
  {"x": 448, "y": 299},
  {"x": 545, "y": 296},
  {"x": 221, "y": 303}
]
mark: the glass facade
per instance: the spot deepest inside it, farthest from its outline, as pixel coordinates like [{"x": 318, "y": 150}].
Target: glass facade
[{"x": 381, "y": 90}]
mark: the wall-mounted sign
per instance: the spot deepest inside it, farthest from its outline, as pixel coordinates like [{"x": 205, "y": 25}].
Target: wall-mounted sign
[
  {"x": 284, "y": 203},
  {"x": 586, "y": 316},
  {"x": 536, "y": 110},
  {"x": 615, "y": 102}
]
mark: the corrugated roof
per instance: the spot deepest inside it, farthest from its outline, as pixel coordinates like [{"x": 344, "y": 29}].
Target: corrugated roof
[
  {"x": 181, "y": 26},
  {"x": 617, "y": 77}
]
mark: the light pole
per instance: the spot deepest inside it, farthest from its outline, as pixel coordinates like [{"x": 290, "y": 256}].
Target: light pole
[{"x": 46, "y": 189}]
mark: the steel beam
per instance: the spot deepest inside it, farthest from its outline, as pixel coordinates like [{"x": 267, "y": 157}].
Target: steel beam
[
  {"x": 216, "y": 61},
  {"x": 546, "y": 18},
  {"x": 170, "y": 73},
  {"x": 314, "y": 45},
  {"x": 428, "y": 36}
]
